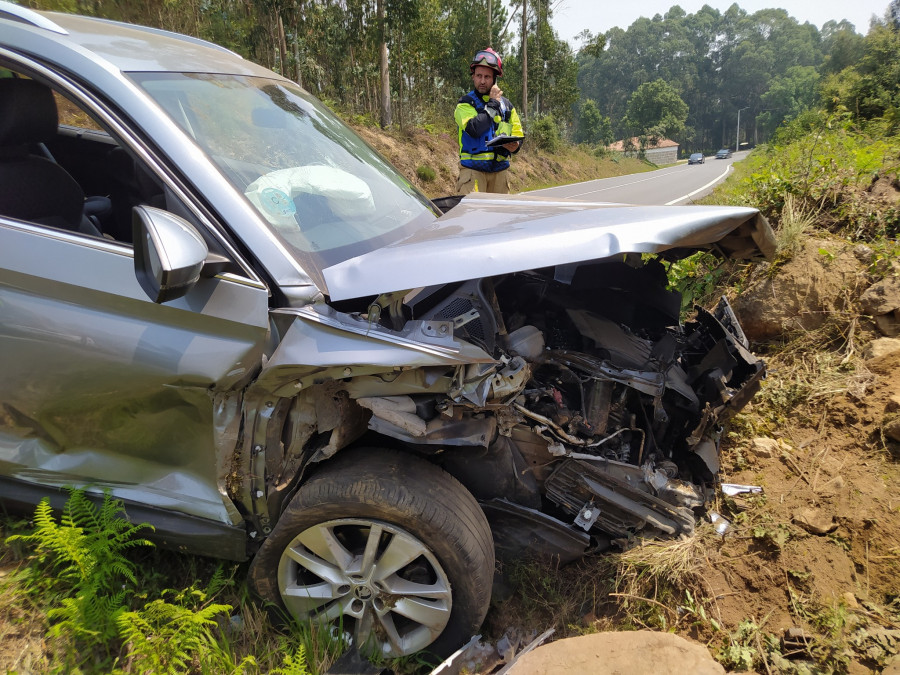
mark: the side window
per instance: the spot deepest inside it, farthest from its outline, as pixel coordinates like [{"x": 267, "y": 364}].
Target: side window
[{"x": 60, "y": 168}]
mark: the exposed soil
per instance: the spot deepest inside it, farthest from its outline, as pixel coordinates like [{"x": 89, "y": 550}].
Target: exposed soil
[{"x": 21, "y": 629}]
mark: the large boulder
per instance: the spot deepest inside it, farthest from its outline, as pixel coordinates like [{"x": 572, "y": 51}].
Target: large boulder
[
  {"x": 881, "y": 301},
  {"x": 641, "y": 652},
  {"x": 800, "y": 294}
]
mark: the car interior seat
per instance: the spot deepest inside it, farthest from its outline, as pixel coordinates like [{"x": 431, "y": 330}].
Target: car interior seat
[{"x": 35, "y": 188}]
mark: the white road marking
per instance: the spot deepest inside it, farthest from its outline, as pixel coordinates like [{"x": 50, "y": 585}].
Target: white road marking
[
  {"x": 656, "y": 174},
  {"x": 701, "y": 189},
  {"x": 613, "y": 187}
]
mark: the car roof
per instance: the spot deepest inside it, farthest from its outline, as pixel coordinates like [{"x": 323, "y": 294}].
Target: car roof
[{"x": 127, "y": 47}]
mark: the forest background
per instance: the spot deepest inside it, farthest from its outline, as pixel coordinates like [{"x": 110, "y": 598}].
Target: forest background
[{"x": 687, "y": 77}]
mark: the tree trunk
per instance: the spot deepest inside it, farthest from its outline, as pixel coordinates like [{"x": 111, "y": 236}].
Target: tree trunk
[
  {"x": 385, "y": 74},
  {"x": 490, "y": 42},
  {"x": 524, "y": 59},
  {"x": 298, "y": 72},
  {"x": 400, "y": 107},
  {"x": 282, "y": 48}
]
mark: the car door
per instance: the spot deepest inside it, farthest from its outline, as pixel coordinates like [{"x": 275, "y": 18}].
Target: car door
[{"x": 101, "y": 387}]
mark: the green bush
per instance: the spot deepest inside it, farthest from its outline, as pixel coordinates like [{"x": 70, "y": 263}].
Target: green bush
[
  {"x": 163, "y": 637},
  {"x": 425, "y": 173},
  {"x": 544, "y": 134}
]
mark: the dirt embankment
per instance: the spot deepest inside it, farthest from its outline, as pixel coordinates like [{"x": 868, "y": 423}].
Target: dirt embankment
[
  {"x": 430, "y": 161},
  {"x": 821, "y": 552}
]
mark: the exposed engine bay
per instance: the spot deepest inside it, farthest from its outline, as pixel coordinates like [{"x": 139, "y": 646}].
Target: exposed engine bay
[{"x": 598, "y": 419}]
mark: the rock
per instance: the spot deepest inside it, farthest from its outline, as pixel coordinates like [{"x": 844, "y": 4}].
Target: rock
[
  {"x": 815, "y": 521},
  {"x": 892, "y": 668},
  {"x": 880, "y": 347},
  {"x": 764, "y": 447},
  {"x": 891, "y": 427},
  {"x": 881, "y": 297},
  {"x": 850, "y": 600},
  {"x": 863, "y": 253},
  {"x": 803, "y": 294},
  {"x": 640, "y": 652},
  {"x": 893, "y": 404},
  {"x": 888, "y": 324}
]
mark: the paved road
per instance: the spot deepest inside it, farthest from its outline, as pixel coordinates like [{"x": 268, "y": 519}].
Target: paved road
[{"x": 673, "y": 185}]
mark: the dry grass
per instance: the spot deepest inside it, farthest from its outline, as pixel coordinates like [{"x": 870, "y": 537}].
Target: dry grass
[
  {"x": 659, "y": 583},
  {"x": 21, "y": 627},
  {"x": 647, "y": 586},
  {"x": 797, "y": 219}
]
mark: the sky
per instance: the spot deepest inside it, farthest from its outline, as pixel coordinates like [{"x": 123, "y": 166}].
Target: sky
[{"x": 570, "y": 17}]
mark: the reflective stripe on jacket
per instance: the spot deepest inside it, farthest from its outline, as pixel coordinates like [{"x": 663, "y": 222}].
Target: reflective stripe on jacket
[{"x": 479, "y": 119}]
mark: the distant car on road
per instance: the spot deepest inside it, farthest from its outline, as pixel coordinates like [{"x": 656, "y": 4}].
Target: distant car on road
[
  {"x": 724, "y": 153},
  {"x": 696, "y": 158}
]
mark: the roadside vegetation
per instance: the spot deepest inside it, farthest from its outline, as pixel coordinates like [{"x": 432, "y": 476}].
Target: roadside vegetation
[{"x": 83, "y": 591}]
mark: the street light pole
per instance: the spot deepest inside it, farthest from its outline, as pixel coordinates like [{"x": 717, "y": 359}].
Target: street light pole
[{"x": 737, "y": 135}]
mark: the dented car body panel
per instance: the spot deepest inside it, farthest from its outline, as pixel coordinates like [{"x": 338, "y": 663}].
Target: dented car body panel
[
  {"x": 500, "y": 234},
  {"x": 102, "y": 386},
  {"x": 528, "y": 347}
]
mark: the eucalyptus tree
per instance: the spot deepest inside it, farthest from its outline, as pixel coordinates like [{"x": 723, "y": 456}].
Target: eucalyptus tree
[
  {"x": 655, "y": 111},
  {"x": 717, "y": 62},
  {"x": 871, "y": 87},
  {"x": 544, "y": 64},
  {"x": 842, "y": 46},
  {"x": 590, "y": 126},
  {"x": 787, "y": 97}
]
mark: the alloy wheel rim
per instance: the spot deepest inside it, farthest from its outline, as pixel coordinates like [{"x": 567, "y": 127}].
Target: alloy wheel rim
[{"x": 380, "y": 585}]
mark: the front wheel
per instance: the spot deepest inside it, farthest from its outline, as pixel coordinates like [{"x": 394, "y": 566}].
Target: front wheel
[{"x": 386, "y": 546}]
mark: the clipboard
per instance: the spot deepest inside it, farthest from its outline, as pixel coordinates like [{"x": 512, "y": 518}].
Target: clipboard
[{"x": 503, "y": 140}]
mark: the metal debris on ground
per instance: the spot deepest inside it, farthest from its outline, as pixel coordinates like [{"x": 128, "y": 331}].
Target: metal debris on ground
[
  {"x": 732, "y": 489},
  {"x": 722, "y": 524},
  {"x": 477, "y": 656}
]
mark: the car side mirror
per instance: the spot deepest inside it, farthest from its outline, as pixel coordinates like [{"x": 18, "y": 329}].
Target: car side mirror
[{"x": 168, "y": 253}]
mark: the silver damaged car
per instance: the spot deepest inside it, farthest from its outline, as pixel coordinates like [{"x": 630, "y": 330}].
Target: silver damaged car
[{"x": 222, "y": 307}]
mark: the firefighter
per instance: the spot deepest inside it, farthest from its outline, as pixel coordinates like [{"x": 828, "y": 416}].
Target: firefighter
[{"x": 482, "y": 115}]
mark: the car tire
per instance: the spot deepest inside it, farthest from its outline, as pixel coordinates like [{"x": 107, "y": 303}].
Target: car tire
[{"x": 386, "y": 546}]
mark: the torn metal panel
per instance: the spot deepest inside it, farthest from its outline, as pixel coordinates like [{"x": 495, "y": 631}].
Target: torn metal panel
[
  {"x": 398, "y": 411},
  {"x": 521, "y": 533},
  {"x": 398, "y": 417},
  {"x": 321, "y": 344},
  {"x": 281, "y": 437},
  {"x": 422, "y": 343},
  {"x": 622, "y": 509},
  {"x": 732, "y": 489}
]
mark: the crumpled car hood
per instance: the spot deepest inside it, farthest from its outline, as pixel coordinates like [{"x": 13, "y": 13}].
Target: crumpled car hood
[{"x": 488, "y": 234}]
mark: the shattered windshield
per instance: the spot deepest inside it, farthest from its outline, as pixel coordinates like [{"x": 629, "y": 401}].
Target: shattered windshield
[{"x": 326, "y": 193}]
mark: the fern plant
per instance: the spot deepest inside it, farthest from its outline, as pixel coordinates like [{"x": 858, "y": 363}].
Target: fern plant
[
  {"x": 170, "y": 638},
  {"x": 80, "y": 563},
  {"x": 294, "y": 663}
]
